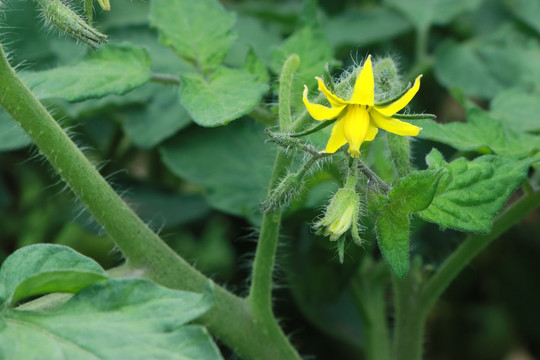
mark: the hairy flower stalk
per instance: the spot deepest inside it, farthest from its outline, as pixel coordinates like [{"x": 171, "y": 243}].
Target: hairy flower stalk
[
  {"x": 359, "y": 118},
  {"x": 68, "y": 22}
]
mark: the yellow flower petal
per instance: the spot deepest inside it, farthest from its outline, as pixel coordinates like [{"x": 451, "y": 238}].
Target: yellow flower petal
[
  {"x": 334, "y": 100},
  {"x": 356, "y": 125},
  {"x": 320, "y": 112},
  {"x": 364, "y": 93},
  {"x": 399, "y": 104},
  {"x": 372, "y": 131},
  {"x": 393, "y": 125},
  {"x": 337, "y": 138}
]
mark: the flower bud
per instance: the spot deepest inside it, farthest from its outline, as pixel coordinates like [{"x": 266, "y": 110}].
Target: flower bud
[
  {"x": 288, "y": 188},
  {"x": 68, "y": 22},
  {"x": 341, "y": 214}
]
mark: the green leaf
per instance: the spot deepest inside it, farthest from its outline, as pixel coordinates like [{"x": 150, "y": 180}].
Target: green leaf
[
  {"x": 161, "y": 118},
  {"x": 518, "y": 109},
  {"x": 314, "y": 50},
  {"x": 473, "y": 192},
  {"x": 226, "y": 95},
  {"x": 414, "y": 192},
  {"x": 423, "y": 13},
  {"x": 526, "y": 11},
  {"x": 393, "y": 239},
  {"x": 459, "y": 65},
  {"x": 480, "y": 132},
  {"x": 485, "y": 66},
  {"x": 12, "y": 136},
  {"x": 198, "y": 31},
  {"x": 116, "y": 319},
  {"x": 256, "y": 67},
  {"x": 411, "y": 194},
  {"x": 113, "y": 69},
  {"x": 262, "y": 39},
  {"x": 232, "y": 163},
  {"x": 361, "y": 27},
  {"x": 45, "y": 268}
]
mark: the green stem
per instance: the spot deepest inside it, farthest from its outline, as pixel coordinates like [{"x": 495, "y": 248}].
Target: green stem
[
  {"x": 89, "y": 11},
  {"x": 373, "y": 177},
  {"x": 229, "y": 319},
  {"x": 166, "y": 79},
  {"x": 260, "y": 294},
  {"x": 414, "y": 303},
  {"x": 409, "y": 317},
  {"x": 368, "y": 289},
  {"x": 400, "y": 153}
]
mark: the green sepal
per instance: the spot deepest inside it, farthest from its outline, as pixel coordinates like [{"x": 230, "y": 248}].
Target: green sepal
[
  {"x": 327, "y": 78},
  {"x": 319, "y": 127},
  {"x": 68, "y": 22},
  {"x": 414, "y": 116}
]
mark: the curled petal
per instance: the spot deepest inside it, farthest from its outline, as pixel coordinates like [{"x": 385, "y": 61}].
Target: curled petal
[
  {"x": 320, "y": 112},
  {"x": 372, "y": 131},
  {"x": 393, "y": 125},
  {"x": 334, "y": 100},
  {"x": 356, "y": 125},
  {"x": 337, "y": 138},
  {"x": 399, "y": 104},
  {"x": 364, "y": 92}
]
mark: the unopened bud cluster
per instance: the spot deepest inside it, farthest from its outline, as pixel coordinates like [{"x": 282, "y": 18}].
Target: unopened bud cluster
[
  {"x": 68, "y": 22},
  {"x": 289, "y": 187}
]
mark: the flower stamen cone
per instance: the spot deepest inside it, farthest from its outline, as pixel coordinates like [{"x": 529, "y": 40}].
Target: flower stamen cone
[{"x": 360, "y": 118}]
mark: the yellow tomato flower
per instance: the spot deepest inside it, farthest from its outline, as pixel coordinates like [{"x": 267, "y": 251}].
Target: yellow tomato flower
[{"x": 359, "y": 119}]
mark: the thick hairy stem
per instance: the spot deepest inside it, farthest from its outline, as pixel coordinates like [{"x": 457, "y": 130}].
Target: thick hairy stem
[
  {"x": 260, "y": 294},
  {"x": 229, "y": 319}
]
